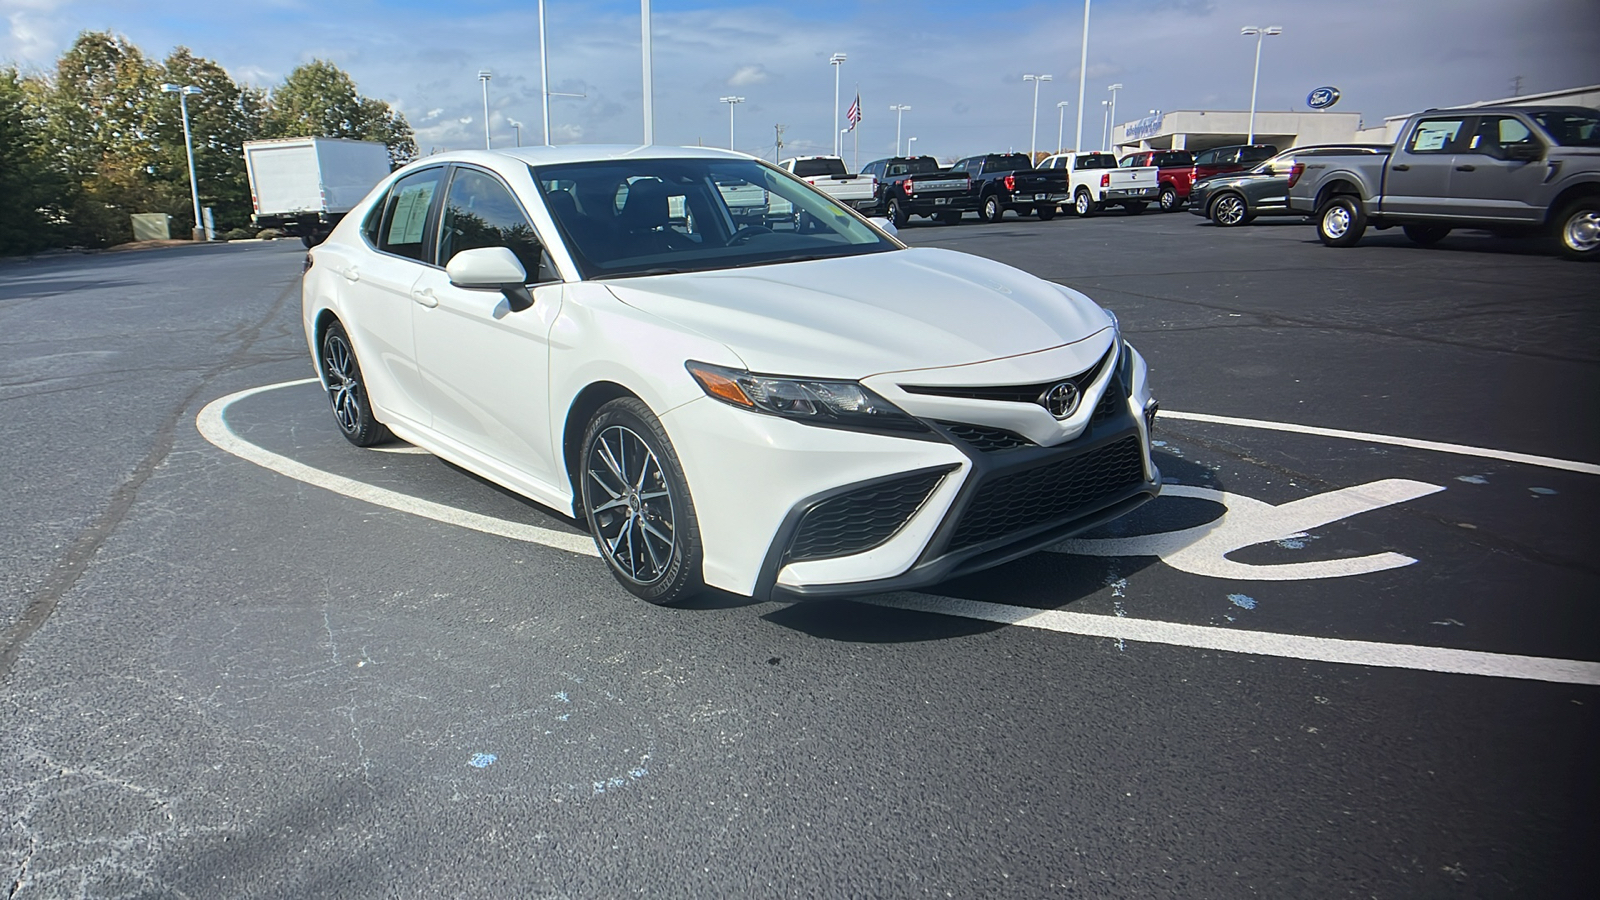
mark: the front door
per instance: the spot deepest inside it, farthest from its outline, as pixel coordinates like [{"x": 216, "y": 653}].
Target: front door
[{"x": 1491, "y": 186}]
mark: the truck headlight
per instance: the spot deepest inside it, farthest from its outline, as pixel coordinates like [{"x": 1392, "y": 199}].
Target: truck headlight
[{"x": 840, "y": 404}]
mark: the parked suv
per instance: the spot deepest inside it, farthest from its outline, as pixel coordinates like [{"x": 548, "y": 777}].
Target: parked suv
[
  {"x": 1175, "y": 177},
  {"x": 1236, "y": 198},
  {"x": 1232, "y": 158}
]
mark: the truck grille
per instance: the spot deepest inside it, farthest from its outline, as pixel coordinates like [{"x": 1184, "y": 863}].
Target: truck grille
[
  {"x": 861, "y": 519},
  {"x": 1012, "y": 503}
]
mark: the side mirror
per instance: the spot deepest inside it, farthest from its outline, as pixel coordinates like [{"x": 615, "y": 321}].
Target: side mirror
[
  {"x": 492, "y": 268},
  {"x": 885, "y": 225},
  {"x": 1527, "y": 151}
]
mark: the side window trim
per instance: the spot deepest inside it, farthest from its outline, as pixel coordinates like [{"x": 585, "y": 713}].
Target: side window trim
[{"x": 546, "y": 261}]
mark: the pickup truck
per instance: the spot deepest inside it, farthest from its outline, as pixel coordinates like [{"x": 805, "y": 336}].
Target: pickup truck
[
  {"x": 1096, "y": 181},
  {"x": 1508, "y": 169},
  {"x": 829, "y": 175},
  {"x": 916, "y": 186},
  {"x": 1002, "y": 181},
  {"x": 1174, "y": 178}
]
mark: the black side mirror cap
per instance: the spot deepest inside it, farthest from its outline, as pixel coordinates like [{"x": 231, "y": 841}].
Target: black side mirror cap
[{"x": 1524, "y": 152}]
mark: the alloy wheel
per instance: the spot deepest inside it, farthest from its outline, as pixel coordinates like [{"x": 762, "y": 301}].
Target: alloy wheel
[
  {"x": 633, "y": 512},
  {"x": 344, "y": 382},
  {"x": 1229, "y": 210}
]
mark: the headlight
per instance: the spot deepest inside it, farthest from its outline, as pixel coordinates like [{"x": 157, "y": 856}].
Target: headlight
[{"x": 840, "y": 404}]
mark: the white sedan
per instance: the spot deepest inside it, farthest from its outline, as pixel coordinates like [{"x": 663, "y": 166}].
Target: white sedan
[{"x": 791, "y": 405}]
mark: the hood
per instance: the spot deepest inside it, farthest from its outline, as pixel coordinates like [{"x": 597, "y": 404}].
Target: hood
[{"x": 863, "y": 315}]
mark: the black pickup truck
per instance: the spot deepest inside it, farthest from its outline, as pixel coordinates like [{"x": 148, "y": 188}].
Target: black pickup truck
[
  {"x": 1002, "y": 181},
  {"x": 916, "y": 186}
]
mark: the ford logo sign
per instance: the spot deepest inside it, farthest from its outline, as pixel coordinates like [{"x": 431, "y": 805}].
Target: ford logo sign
[{"x": 1322, "y": 97}]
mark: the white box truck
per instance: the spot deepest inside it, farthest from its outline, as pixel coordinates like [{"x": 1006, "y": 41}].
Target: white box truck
[{"x": 306, "y": 185}]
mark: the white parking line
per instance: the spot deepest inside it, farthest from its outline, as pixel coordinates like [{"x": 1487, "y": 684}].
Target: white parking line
[
  {"x": 212, "y": 424},
  {"x": 1437, "y": 446}
]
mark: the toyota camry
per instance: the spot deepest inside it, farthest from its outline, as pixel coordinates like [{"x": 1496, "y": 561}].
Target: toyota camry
[{"x": 733, "y": 381}]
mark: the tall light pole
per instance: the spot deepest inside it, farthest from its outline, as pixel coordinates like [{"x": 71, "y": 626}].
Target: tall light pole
[
  {"x": 1105, "y": 122},
  {"x": 649, "y": 85},
  {"x": 184, "y": 92},
  {"x": 483, "y": 76},
  {"x": 517, "y": 127},
  {"x": 837, "y": 61},
  {"x": 544, "y": 75},
  {"x": 1083, "y": 76},
  {"x": 909, "y": 142},
  {"x": 898, "y": 111},
  {"x": 1258, "y": 33},
  {"x": 1033, "y": 145},
  {"x": 1112, "y": 116},
  {"x": 732, "y": 102}
]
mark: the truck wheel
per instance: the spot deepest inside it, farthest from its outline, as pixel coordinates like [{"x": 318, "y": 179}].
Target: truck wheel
[
  {"x": 1082, "y": 204},
  {"x": 1578, "y": 227},
  {"x": 1046, "y": 213},
  {"x": 950, "y": 217},
  {"x": 1134, "y": 208},
  {"x": 992, "y": 209},
  {"x": 1169, "y": 198},
  {"x": 1425, "y": 233},
  {"x": 1342, "y": 221},
  {"x": 1230, "y": 210},
  {"x": 897, "y": 213}
]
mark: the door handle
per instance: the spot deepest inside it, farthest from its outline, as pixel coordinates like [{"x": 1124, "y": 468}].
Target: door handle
[
  {"x": 1400, "y": 168},
  {"x": 350, "y": 273},
  {"x": 1466, "y": 168},
  {"x": 425, "y": 297}
]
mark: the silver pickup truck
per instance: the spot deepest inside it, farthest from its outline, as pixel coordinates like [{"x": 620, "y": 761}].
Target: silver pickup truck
[{"x": 1508, "y": 169}]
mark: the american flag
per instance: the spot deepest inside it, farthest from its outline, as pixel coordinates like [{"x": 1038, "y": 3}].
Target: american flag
[{"x": 854, "y": 113}]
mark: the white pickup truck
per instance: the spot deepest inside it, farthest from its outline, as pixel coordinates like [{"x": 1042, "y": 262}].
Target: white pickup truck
[
  {"x": 1096, "y": 182},
  {"x": 829, "y": 175}
]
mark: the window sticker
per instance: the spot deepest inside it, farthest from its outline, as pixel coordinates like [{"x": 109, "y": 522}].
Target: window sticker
[
  {"x": 410, "y": 214},
  {"x": 1432, "y": 136}
]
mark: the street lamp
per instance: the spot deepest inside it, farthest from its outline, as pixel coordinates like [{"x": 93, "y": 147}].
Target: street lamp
[
  {"x": 517, "y": 127},
  {"x": 732, "y": 102},
  {"x": 1112, "y": 117},
  {"x": 898, "y": 110},
  {"x": 1083, "y": 76},
  {"x": 184, "y": 92},
  {"x": 1033, "y": 146},
  {"x": 1259, "y": 33},
  {"x": 1105, "y": 121},
  {"x": 483, "y": 76},
  {"x": 649, "y": 85},
  {"x": 837, "y": 61},
  {"x": 1061, "y": 124},
  {"x": 909, "y": 142}
]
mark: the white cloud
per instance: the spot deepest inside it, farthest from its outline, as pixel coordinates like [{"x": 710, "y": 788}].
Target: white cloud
[{"x": 748, "y": 75}]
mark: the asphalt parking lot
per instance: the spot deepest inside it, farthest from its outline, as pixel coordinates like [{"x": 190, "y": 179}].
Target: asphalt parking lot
[{"x": 1348, "y": 652}]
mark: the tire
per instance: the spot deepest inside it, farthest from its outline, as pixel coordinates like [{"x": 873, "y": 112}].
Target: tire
[
  {"x": 347, "y": 390},
  {"x": 1046, "y": 213},
  {"x": 637, "y": 505},
  {"x": 950, "y": 217},
  {"x": 1230, "y": 210},
  {"x": 1134, "y": 208},
  {"x": 1169, "y": 199},
  {"x": 1341, "y": 221},
  {"x": 1578, "y": 229},
  {"x": 992, "y": 210},
  {"x": 1082, "y": 204},
  {"x": 897, "y": 213},
  {"x": 1425, "y": 233}
]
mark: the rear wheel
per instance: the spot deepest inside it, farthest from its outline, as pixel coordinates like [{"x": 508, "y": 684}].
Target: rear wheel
[
  {"x": 897, "y": 213},
  {"x": 1230, "y": 210},
  {"x": 347, "y": 390},
  {"x": 1082, "y": 203},
  {"x": 636, "y": 501},
  {"x": 1578, "y": 229},
  {"x": 1425, "y": 233},
  {"x": 1046, "y": 213},
  {"x": 1341, "y": 221},
  {"x": 992, "y": 209},
  {"x": 1169, "y": 198}
]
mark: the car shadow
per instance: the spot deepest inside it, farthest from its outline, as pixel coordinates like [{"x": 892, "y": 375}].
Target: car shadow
[{"x": 1463, "y": 241}]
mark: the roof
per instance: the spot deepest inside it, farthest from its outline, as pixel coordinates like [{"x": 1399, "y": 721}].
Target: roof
[{"x": 574, "y": 153}]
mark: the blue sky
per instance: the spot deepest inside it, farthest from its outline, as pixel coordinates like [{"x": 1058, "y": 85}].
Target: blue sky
[{"x": 959, "y": 65}]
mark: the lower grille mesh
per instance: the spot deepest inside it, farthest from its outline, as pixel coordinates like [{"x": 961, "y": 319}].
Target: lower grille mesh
[
  {"x": 988, "y": 439},
  {"x": 1012, "y": 503},
  {"x": 1111, "y": 402},
  {"x": 862, "y": 519}
]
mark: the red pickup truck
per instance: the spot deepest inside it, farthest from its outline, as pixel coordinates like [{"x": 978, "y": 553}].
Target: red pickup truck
[{"x": 1175, "y": 177}]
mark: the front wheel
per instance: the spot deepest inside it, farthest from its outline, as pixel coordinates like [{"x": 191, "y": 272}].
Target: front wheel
[
  {"x": 1082, "y": 203},
  {"x": 1578, "y": 229},
  {"x": 347, "y": 390},
  {"x": 1424, "y": 233},
  {"x": 637, "y": 504},
  {"x": 1169, "y": 198},
  {"x": 1342, "y": 221},
  {"x": 992, "y": 209},
  {"x": 1230, "y": 210}
]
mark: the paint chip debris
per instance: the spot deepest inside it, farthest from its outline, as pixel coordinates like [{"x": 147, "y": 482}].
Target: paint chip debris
[
  {"x": 1450, "y": 622},
  {"x": 1543, "y": 492},
  {"x": 1243, "y": 601},
  {"x": 482, "y": 760},
  {"x": 1472, "y": 479}
]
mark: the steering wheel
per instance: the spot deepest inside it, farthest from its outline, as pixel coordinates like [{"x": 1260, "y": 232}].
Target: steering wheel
[{"x": 743, "y": 235}]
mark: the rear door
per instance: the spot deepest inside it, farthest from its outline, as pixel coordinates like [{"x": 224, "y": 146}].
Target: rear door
[
  {"x": 1417, "y": 181},
  {"x": 1488, "y": 184}
]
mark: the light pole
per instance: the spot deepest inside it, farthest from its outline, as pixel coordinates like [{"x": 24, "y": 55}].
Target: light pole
[
  {"x": 1083, "y": 76},
  {"x": 1105, "y": 121},
  {"x": 517, "y": 127},
  {"x": 909, "y": 142},
  {"x": 1112, "y": 116},
  {"x": 732, "y": 102},
  {"x": 1061, "y": 124},
  {"x": 837, "y": 61},
  {"x": 1258, "y": 33},
  {"x": 184, "y": 92},
  {"x": 483, "y": 76},
  {"x": 544, "y": 75},
  {"x": 898, "y": 111},
  {"x": 1033, "y": 145},
  {"x": 649, "y": 87}
]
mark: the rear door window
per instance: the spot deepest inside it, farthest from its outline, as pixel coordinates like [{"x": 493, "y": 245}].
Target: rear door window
[
  {"x": 1208, "y": 158},
  {"x": 405, "y": 214}
]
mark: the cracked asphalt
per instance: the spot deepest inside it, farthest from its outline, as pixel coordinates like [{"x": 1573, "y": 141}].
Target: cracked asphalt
[{"x": 219, "y": 681}]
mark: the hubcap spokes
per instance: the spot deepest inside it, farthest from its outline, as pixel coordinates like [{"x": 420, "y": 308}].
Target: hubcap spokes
[
  {"x": 343, "y": 385},
  {"x": 632, "y": 511},
  {"x": 1230, "y": 211},
  {"x": 1583, "y": 231}
]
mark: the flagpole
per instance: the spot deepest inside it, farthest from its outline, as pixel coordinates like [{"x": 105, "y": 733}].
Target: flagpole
[{"x": 855, "y": 155}]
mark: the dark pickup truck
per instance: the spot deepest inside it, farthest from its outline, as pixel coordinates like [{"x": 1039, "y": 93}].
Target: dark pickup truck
[
  {"x": 1002, "y": 181},
  {"x": 916, "y": 186},
  {"x": 1511, "y": 169}
]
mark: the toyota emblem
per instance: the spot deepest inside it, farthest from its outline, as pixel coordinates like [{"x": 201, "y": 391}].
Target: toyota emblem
[{"x": 1061, "y": 400}]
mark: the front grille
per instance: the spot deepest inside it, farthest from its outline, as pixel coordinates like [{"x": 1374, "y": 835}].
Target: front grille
[
  {"x": 1014, "y": 393},
  {"x": 861, "y": 519},
  {"x": 1111, "y": 403},
  {"x": 986, "y": 439},
  {"x": 1012, "y": 503}
]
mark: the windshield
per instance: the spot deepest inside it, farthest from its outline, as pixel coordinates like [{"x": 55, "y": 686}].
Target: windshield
[
  {"x": 658, "y": 216},
  {"x": 811, "y": 168},
  {"x": 1570, "y": 127}
]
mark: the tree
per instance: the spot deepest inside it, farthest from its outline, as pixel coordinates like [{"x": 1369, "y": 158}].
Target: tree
[
  {"x": 221, "y": 118},
  {"x": 32, "y": 192},
  {"x": 319, "y": 100}
]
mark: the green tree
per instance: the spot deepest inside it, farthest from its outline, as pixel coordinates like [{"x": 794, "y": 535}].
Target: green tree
[
  {"x": 319, "y": 99},
  {"x": 221, "y": 118},
  {"x": 32, "y": 191}
]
